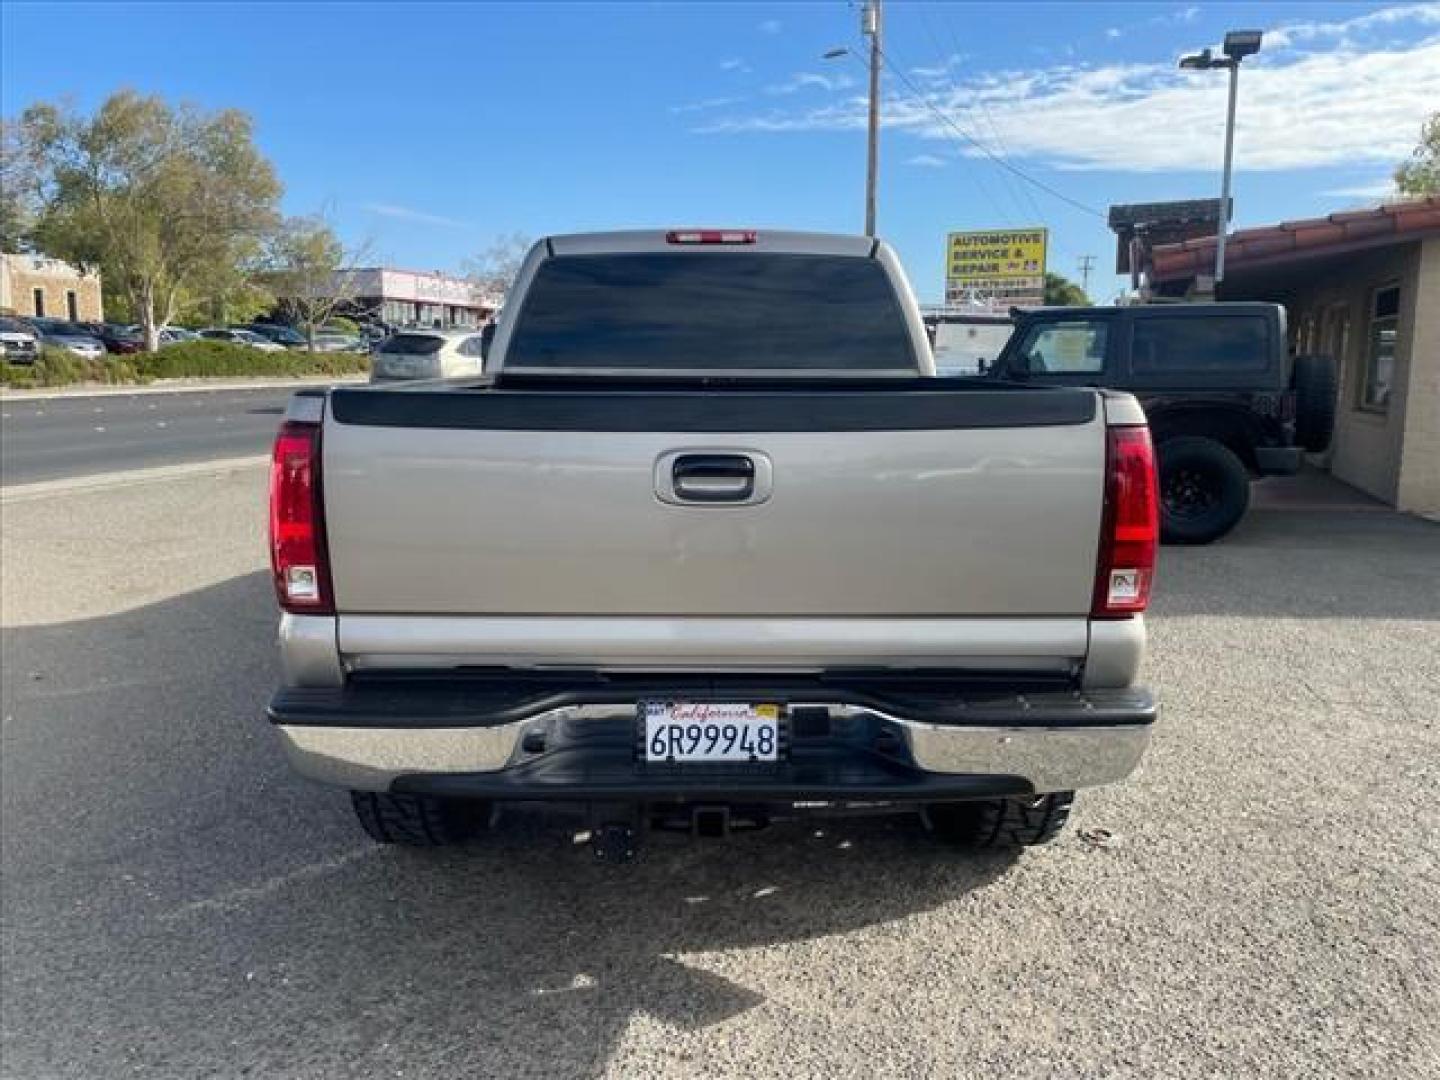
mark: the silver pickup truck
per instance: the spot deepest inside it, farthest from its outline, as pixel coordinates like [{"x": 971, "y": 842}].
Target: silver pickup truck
[{"x": 705, "y": 546}]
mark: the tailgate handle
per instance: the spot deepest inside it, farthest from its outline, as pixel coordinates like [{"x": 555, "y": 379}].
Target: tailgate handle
[{"x": 713, "y": 477}]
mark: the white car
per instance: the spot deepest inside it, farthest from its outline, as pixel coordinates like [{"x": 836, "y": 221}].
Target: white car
[
  {"x": 428, "y": 354},
  {"x": 241, "y": 337},
  {"x": 19, "y": 344}
]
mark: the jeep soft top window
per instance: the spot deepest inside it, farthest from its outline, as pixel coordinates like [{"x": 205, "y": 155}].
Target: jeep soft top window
[
  {"x": 1208, "y": 345},
  {"x": 1068, "y": 347},
  {"x": 711, "y": 312}
]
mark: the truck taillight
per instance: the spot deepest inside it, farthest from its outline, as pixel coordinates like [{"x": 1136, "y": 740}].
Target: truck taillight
[
  {"x": 297, "y": 525},
  {"x": 710, "y": 236},
  {"x": 1130, "y": 526}
]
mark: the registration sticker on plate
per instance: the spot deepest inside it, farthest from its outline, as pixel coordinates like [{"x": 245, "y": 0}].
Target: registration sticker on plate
[{"x": 681, "y": 731}]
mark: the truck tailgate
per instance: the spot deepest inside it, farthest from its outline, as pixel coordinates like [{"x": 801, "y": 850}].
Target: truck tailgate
[{"x": 879, "y": 502}]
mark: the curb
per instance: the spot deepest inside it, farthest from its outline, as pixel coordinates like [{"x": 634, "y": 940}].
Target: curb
[
  {"x": 177, "y": 386},
  {"x": 45, "y": 488}
]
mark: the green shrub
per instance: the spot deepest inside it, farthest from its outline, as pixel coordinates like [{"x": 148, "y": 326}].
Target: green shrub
[
  {"x": 184, "y": 360},
  {"x": 192, "y": 359},
  {"x": 338, "y": 324},
  {"x": 58, "y": 367}
]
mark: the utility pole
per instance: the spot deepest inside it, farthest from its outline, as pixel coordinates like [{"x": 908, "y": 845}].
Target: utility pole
[
  {"x": 1086, "y": 261},
  {"x": 870, "y": 27}
]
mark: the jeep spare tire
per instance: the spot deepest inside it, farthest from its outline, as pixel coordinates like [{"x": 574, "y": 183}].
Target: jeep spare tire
[
  {"x": 1204, "y": 490},
  {"x": 1314, "y": 381}
]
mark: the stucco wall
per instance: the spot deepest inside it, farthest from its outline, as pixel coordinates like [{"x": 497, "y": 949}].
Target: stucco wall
[
  {"x": 1419, "y": 484},
  {"x": 1366, "y": 451}
]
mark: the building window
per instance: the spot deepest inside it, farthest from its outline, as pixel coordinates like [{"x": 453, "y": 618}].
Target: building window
[
  {"x": 38, "y": 296},
  {"x": 1379, "y": 378},
  {"x": 72, "y": 305}
]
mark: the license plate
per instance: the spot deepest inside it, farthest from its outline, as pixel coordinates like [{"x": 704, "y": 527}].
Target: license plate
[{"x": 688, "y": 731}]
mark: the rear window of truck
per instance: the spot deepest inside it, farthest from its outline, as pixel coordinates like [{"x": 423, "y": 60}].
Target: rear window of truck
[
  {"x": 413, "y": 344},
  {"x": 1212, "y": 345},
  {"x": 711, "y": 312}
]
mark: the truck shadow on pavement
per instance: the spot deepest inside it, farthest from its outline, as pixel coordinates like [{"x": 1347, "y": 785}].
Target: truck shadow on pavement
[{"x": 176, "y": 900}]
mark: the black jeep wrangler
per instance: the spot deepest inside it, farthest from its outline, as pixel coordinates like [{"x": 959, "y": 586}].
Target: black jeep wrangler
[{"x": 1226, "y": 404}]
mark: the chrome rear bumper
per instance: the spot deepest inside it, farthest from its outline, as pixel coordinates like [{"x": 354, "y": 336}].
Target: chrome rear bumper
[{"x": 588, "y": 751}]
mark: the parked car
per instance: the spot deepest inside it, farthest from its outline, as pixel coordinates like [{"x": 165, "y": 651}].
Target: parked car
[
  {"x": 118, "y": 339},
  {"x": 338, "y": 341},
  {"x": 60, "y": 334},
  {"x": 173, "y": 335},
  {"x": 19, "y": 343},
  {"x": 279, "y": 333},
  {"x": 707, "y": 547},
  {"x": 428, "y": 354},
  {"x": 241, "y": 337},
  {"x": 1226, "y": 405},
  {"x": 966, "y": 343}
]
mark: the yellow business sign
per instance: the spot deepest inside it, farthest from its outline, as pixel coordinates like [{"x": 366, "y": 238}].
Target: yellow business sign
[{"x": 996, "y": 258}]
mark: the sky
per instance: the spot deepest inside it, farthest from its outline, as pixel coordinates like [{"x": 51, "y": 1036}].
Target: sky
[{"x": 425, "y": 132}]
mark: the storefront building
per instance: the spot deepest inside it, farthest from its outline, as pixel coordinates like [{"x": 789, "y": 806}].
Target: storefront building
[
  {"x": 1363, "y": 287},
  {"x": 416, "y": 298}
]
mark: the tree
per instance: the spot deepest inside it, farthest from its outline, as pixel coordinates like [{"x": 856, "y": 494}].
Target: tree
[
  {"x": 310, "y": 272},
  {"x": 158, "y": 198},
  {"x": 1060, "y": 291},
  {"x": 17, "y": 189},
  {"x": 494, "y": 271},
  {"x": 1421, "y": 174}
]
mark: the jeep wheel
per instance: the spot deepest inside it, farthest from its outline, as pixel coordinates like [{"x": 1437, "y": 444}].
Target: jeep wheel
[
  {"x": 1204, "y": 490},
  {"x": 418, "y": 820},
  {"x": 1314, "y": 381},
  {"x": 1002, "y": 823}
]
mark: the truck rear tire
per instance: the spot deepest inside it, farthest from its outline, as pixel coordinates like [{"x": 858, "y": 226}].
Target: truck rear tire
[
  {"x": 418, "y": 820},
  {"x": 1002, "y": 823},
  {"x": 1314, "y": 380},
  {"x": 1204, "y": 490}
]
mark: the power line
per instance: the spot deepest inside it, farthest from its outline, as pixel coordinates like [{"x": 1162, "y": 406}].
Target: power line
[
  {"x": 1011, "y": 189},
  {"x": 1086, "y": 262},
  {"x": 1018, "y": 193},
  {"x": 1008, "y": 166}
]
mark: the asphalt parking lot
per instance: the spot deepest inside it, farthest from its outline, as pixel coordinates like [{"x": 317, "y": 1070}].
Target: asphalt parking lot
[{"x": 176, "y": 904}]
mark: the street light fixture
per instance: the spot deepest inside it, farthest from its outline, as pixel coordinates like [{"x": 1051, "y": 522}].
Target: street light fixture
[{"x": 1238, "y": 45}]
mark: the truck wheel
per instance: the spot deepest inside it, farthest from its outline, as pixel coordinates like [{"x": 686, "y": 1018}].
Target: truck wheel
[
  {"x": 1314, "y": 380},
  {"x": 1002, "y": 823},
  {"x": 418, "y": 820},
  {"x": 1204, "y": 490}
]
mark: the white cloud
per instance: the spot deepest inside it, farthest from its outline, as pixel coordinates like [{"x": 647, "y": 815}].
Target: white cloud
[
  {"x": 1187, "y": 15},
  {"x": 804, "y": 80},
  {"x": 1114, "y": 32},
  {"x": 771, "y": 27},
  {"x": 938, "y": 71},
  {"x": 1374, "y": 192},
  {"x": 406, "y": 213},
  {"x": 1420, "y": 15},
  {"x": 734, "y": 63},
  {"x": 926, "y": 161},
  {"x": 706, "y": 104},
  {"x": 1344, "y": 105}
]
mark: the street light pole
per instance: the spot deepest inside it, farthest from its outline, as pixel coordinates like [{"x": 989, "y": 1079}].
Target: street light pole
[
  {"x": 870, "y": 27},
  {"x": 1238, "y": 45},
  {"x": 1225, "y": 177}
]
